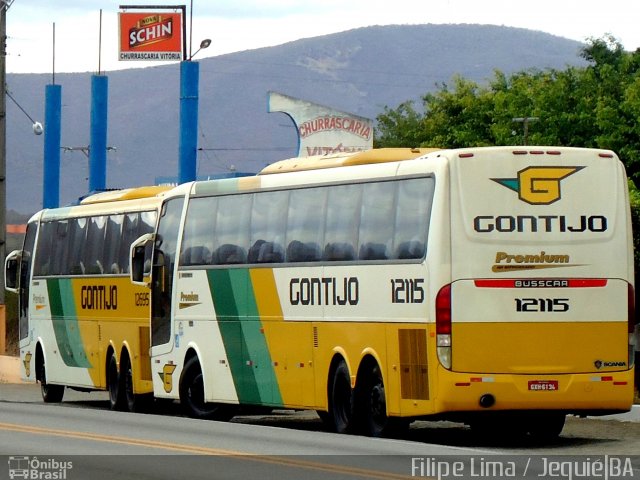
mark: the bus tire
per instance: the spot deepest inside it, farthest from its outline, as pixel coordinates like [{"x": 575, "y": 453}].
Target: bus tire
[
  {"x": 371, "y": 404},
  {"x": 135, "y": 402},
  {"x": 117, "y": 400},
  {"x": 50, "y": 393},
  {"x": 341, "y": 400},
  {"x": 192, "y": 395}
]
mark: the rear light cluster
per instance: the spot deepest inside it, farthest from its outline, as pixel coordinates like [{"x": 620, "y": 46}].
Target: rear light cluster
[
  {"x": 631, "y": 324},
  {"x": 443, "y": 326}
]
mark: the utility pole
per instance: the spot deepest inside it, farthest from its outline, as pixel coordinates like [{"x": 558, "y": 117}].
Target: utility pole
[{"x": 4, "y": 5}]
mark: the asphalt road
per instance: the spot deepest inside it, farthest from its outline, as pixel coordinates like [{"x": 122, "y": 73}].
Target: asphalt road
[{"x": 100, "y": 444}]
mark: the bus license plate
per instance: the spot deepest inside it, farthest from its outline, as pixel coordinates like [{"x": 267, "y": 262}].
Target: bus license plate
[{"x": 543, "y": 385}]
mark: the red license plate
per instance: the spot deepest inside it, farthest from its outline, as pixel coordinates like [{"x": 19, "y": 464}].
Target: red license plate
[{"x": 543, "y": 385}]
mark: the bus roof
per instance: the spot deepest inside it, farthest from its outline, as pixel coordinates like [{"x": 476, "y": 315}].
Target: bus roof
[
  {"x": 125, "y": 194},
  {"x": 378, "y": 155}
]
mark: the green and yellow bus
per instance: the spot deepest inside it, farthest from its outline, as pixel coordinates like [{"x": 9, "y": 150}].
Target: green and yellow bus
[
  {"x": 82, "y": 324},
  {"x": 492, "y": 286}
]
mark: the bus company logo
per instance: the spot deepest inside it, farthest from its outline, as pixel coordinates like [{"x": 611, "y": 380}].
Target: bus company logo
[
  {"x": 538, "y": 185},
  {"x": 167, "y": 376},
  {"x": 604, "y": 364},
  {"x": 34, "y": 468}
]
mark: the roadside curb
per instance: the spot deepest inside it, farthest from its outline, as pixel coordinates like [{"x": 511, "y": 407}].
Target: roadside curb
[{"x": 632, "y": 416}]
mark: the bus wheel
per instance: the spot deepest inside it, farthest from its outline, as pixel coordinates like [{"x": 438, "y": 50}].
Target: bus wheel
[
  {"x": 126, "y": 378},
  {"x": 50, "y": 393},
  {"x": 372, "y": 404},
  {"x": 546, "y": 427},
  {"x": 192, "y": 395},
  {"x": 116, "y": 394},
  {"x": 341, "y": 400}
]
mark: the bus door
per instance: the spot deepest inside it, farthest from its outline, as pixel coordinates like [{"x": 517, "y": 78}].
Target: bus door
[
  {"x": 24, "y": 284},
  {"x": 162, "y": 273}
]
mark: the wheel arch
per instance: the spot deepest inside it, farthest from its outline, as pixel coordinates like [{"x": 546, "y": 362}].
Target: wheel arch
[
  {"x": 192, "y": 351},
  {"x": 107, "y": 358},
  {"x": 40, "y": 359},
  {"x": 368, "y": 360}
]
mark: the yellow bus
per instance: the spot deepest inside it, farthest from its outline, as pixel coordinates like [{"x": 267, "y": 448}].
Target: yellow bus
[
  {"x": 82, "y": 324},
  {"x": 492, "y": 286}
]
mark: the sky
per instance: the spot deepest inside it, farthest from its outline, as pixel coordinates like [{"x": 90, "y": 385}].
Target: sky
[{"x": 236, "y": 25}]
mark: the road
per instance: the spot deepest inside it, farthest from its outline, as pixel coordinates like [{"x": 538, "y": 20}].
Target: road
[{"x": 100, "y": 444}]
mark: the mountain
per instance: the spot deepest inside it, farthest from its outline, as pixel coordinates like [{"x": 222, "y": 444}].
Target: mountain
[{"x": 359, "y": 71}]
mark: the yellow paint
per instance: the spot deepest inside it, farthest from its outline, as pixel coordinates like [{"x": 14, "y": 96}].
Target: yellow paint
[
  {"x": 552, "y": 347},
  {"x": 290, "y": 343},
  {"x": 167, "y": 376},
  {"x": 249, "y": 183},
  {"x": 578, "y": 391},
  {"x": 317, "y": 162},
  {"x": 102, "y": 325}
]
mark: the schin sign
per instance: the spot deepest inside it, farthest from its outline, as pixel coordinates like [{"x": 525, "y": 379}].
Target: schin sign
[{"x": 150, "y": 36}]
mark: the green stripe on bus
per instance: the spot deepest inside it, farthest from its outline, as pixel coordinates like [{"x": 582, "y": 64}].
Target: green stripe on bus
[
  {"x": 241, "y": 330},
  {"x": 65, "y": 323}
]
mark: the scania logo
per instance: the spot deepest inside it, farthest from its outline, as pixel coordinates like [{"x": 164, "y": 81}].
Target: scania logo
[
  {"x": 538, "y": 185},
  {"x": 602, "y": 364}
]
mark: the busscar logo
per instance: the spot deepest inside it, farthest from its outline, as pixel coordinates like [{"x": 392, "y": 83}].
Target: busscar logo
[{"x": 538, "y": 185}]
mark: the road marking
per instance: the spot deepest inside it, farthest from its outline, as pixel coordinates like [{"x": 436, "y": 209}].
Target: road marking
[{"x": 194, "y": 449}]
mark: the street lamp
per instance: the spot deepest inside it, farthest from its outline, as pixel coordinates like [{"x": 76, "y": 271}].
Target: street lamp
[
  {"x": 37, "y": 126},
  {"x": 525, "y": 121},
  {"x": 203, "y": 44}
]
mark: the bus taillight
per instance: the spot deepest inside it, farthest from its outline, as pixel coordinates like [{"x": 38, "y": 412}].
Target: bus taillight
[
  {"x": 443, "y": 326},
  {"x": 631, "y": 324}
]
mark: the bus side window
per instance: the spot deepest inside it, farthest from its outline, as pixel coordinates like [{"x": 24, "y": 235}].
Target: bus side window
[
  {"x": 77, "y": 245},
  {"x": 268, "y": 217},
  {"x": 342, "y": 222},
  {"x": 197, "y": 241},
  {"x": 45, "y": 249},
  {"x": 412, "y": 217},
  {"x": 113, "y": 237},
  {"x": 305, "y": 224},
  {"x": 376, "y": 223},
  {"x": 231, "y": 236},
  {"x": 60, "y": 248}
]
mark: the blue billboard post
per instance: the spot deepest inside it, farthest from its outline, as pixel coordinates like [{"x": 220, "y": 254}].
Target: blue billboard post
[
  {"x": 52, "y": 121},
  {"x": 98, "y": 141},
  {"x": 189, "y": 85}
]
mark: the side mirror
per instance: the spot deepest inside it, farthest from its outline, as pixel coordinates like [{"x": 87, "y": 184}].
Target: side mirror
[
  {"x": 11, "y": 268},
  {"x": 140, "y": 260}
]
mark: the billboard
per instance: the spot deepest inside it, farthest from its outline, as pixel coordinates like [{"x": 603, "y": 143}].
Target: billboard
[
  {"x": 150, "y": 36},
  {"x": 323, "y": 130}
]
